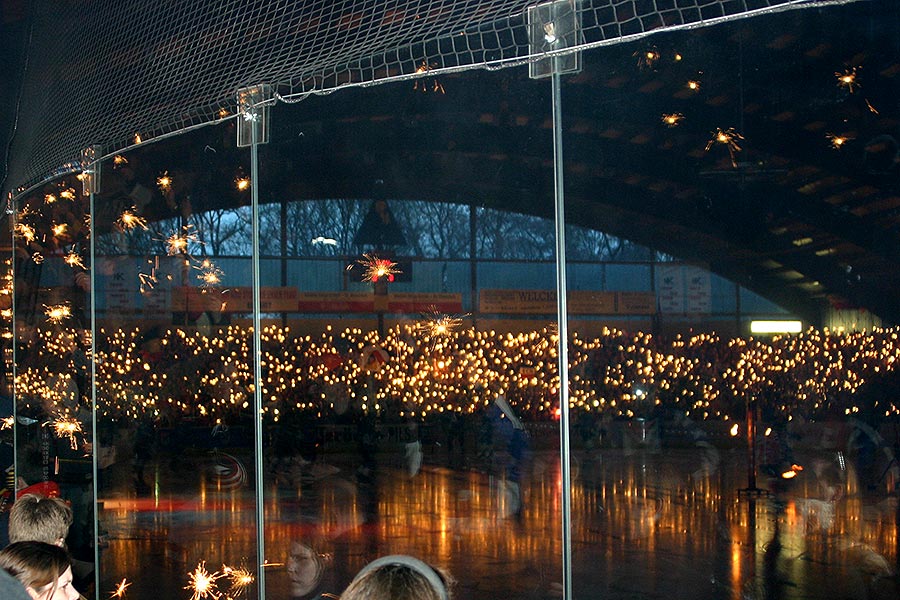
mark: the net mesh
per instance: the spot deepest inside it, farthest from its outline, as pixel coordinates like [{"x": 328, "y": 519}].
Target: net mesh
[{"x": 119, "y": 72}]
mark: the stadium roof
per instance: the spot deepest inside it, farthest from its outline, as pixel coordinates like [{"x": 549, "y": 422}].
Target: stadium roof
[{"x": 776, "y": 203}]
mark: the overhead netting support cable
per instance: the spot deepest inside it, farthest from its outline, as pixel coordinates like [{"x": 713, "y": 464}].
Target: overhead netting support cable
[{"x": 116, "y": 73}]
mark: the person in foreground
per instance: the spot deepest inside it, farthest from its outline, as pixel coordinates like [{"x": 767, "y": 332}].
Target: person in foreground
[
  {"x": 398, "y": 577},
  {"x": 43, "y": 569}
]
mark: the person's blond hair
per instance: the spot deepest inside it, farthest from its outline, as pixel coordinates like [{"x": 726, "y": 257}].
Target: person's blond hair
[
  {"x": 37, "y": 565},
  {"x": 39, "y": 519},
  {"x": 398, "y": 577}
]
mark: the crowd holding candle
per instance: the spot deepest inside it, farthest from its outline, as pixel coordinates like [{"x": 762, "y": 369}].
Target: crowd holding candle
[{"x": 158, "y": 373}]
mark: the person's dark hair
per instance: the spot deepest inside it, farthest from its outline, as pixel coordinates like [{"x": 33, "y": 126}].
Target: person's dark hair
[
  {"x": 398, "y": 577},
  {"x": 36, "y": 565}
]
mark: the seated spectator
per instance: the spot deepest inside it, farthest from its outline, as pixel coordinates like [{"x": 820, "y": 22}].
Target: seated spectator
[
  {"x": 43, "y": 569},
  {"x": 39, "y": 519},
  {"x": 398, "y": 577},
  {"x": 36, "y": 518}
]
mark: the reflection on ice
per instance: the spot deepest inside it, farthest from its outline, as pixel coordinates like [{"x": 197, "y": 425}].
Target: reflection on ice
[{"x": 664, "y": 516}]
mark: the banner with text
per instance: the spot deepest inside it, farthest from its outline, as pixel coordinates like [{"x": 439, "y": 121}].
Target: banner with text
[{"x": 579, "y": 302}]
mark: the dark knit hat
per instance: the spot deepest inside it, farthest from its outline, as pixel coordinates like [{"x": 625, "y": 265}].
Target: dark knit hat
[{"x": 10, "y": 588}]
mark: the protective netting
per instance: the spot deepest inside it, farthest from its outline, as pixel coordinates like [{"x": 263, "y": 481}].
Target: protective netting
[{"x": 112, "y": 72}]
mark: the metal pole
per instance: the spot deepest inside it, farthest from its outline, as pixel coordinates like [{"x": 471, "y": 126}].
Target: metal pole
[
  {"x": 14, "y": 339},
  {"x": 561, "y": 315},
  {"x": 93, "y": 363},
  {"x": 751, "y": 444},
  {"x": 257, "y": 364}
]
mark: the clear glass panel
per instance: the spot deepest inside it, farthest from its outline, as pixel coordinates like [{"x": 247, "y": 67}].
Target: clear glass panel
[
  {"x": 53, "y": 391},
  {"x": 410, "y": 412},
  {"x": 706, "y": 462},
  {"x": 174, "y": 369}
]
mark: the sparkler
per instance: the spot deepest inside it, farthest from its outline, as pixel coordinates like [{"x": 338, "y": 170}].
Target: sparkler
[
  {"x": 148, "y": 281},
  {"x": 847, "y": 79},
  {"x": 25, "y": 231},
  {"x": 242, "y": 183},
  {"x": 178, "y": 242},
  {"x": 240, "y": 579},
  {"x": 50, "y": 198},
  {"x": 648, "y": 58},
  {"x": 436, "y": 324},
  {"x": 57, "y": 313},
  {"x": 74, "y": 260},
  {"x": 203, "y": 583},
  {"x": 728, "y": 138},
  {"x": 376, "y": 268},
  {"x": 421, "y": 86},
  {"x": 119, "y": 160},
  {"x": 59, "y": 229},
  {"x": 164, "y": 182},
  {"x": 129, "y": 220},
  {"x": 37, "y": 257},
  {"x": 68, "y": 194},
  {"x": 210, "y": 275},
  {"x": 837, "y": 141},
  {"x": 67, "y": 428},
  {"x": 672, "y": 119},
  {"x": 119, "y": 592},
  {"x": 693, "y": 85},
  {"x": 7, "y": 422}
]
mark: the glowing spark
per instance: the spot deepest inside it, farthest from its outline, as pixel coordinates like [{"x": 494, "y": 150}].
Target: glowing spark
[
  {"x": 129, "y": 220},
  {"x": 648, "y": 58},
  {"x": 421, "y": 86},
  {"x": 837, "y": 141},
  {"x": 59, "y": 229},
  {"x": 57, "y": 313},
  {"x": 68, "y": 194},
  {"x": 37, "y": 257},
  {"x": 25, "y": 231},
  {"x": 137, "y": 138},
  {"x": 693, "y": 85},
  {"x": 377, "y": 268},
  {"x": 223, "y": 112},
  {"x": 210, "y": 275},
  {"x": 847, "y": 79},
  {"x": 728, "y": 138},
  {"x": 203, "y": 583},
  {"x": 678, "y": 57},
  {"x": 871, "y": 108},
  {"x": 6, "y": 313},
  {"x": 438, "y": 325},
  {"x": 119, "y": 592},
  {"x": 164, "y": 182},
  {"x": 734, "y": 430},
  {"x": 178, "y": 243},
  {"x": 148, "y": 281},
  {"x": 672, "y": 119},
  {"x": 67, "y": 428},
  {"x": 119, "y": 160},
  {"x": 240, "y": 578},
  {"x": 73, "y": 260},
  {"x": 50, "y": 198},
  {"x": 242, "y": 183},
  {"x": 7, "y": 422}
]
